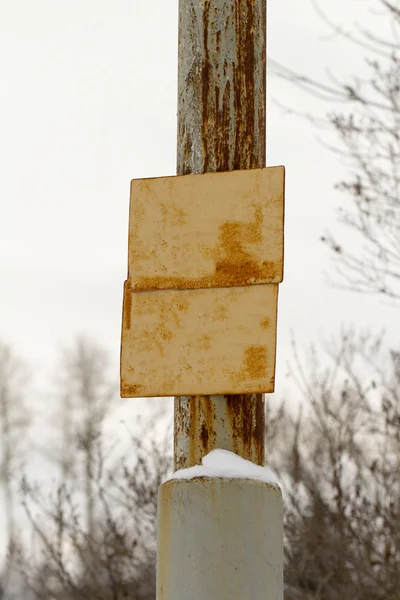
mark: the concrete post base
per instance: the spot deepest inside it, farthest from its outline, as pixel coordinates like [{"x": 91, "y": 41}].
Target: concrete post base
[{"x": 220, "y": 539}]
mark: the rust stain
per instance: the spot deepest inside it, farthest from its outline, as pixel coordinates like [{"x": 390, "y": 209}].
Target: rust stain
[
  {"x": 247, "y": 421},
  {"x": 204, "y": 435},
  {"x": 256, "y": 361},
  {"x": 247, "y": 126},
  {"x": 182, "y": 304},
  {"x": 255, "y": 364},
  {"x": 127, "y": 305},
  {"x": 221, "y": 312},
  {"x": 196, "y": 424},
  {"x": 259, "y": 427},
  {"x": 206, "y": 78},
  {"x": 265, "y": 323},
  {"x": 222, "y": 126},
  {"x": 208, "y": 435},
  {"x": 166, "y": 335},
  {"x": 235, "y": 266},
  {"x": 177, "y": 216},
  {"x": 242, "y": 420},
  {"x": 181, "y": 427},
  {"x": 220, "y": 151},
  {"x": 130, "y": 391},
  {"x": 206, "y": 342},
  {"x": 159, "y": 333},
  {"x": 193, "y": 434}
]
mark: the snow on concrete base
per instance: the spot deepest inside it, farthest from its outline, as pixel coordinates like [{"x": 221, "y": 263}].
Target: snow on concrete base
[{"x": 222, "y": 463}]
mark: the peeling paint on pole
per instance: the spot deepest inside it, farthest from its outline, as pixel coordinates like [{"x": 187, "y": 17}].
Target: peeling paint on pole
[{"x": 221, "y": 127}]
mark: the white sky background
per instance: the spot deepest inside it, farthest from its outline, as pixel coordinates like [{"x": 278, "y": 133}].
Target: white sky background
[{"x": 88, "y": 102}]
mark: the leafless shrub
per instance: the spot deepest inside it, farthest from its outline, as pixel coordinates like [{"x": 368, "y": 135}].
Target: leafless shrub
[
  {"x": 367, "y": 126},
  {"x": 116, "y": 559},
  {"x": 341, "y": 471},
  {"x": 338, "y": 459},
  {"x": 14, "y": 421}
]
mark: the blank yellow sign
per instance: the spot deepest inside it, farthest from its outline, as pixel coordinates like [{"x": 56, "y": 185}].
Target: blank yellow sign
[
  {"x": 210, "y": 230},
  {"x": 214, "y": 341},
  {"x": 200, "y": 302}
]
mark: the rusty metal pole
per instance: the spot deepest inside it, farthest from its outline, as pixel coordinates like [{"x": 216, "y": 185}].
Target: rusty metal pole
[
  {"x": 221, "y": 127},
  {"x": 220, "y": 537}
]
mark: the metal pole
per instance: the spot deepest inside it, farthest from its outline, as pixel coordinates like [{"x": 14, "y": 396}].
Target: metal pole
[
  {"x": 221, "y": 127},
  {"x": 220, "y": 538}
]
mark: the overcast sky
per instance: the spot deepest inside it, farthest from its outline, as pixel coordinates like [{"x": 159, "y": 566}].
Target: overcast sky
[{"x": 88, "y": 102}]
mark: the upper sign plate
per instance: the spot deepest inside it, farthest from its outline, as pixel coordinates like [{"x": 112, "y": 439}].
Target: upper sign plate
[{"x": 207, "y": 231}]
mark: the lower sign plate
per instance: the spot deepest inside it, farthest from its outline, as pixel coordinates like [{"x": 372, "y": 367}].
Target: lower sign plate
[{"x": 199, "y": 342}]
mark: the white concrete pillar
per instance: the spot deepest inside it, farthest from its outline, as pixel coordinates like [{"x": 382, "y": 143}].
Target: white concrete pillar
[{"x": 220, "y": 539}]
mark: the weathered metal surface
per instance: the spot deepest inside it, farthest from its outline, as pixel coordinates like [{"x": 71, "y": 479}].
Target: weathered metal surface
[
  {"x": 213, "y": 341},
  {"x": 208, "y": 422},
  {"x": 206, "y": 231},
  {"x": 221, "y": 85},
  {"x": 221, "y": 127},
  {"x": 220, "y": 539}
]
